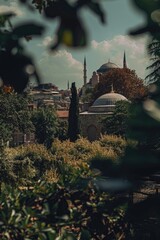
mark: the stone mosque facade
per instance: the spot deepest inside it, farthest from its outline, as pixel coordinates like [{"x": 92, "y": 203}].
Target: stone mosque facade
[{"x": 90, "y": 119}]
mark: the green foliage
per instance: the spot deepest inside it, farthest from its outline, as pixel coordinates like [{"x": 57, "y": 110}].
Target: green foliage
[
  {"x": 45, "y": 122},
  {"x": 15, "y": 115},
  {"x": 117, "y": 123},
  {"x": 154, "y": 51},
  {"x": 62, "y": 129},
  {"x": 25, "y": 164},
  {"x": 116, "y": 143},
  {"x": 73, "y": 159},
  {"x": 48, "y": 211},
  {"x": 39, "y": 214}
]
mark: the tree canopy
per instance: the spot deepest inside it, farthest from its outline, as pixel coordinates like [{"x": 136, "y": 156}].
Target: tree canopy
[
  {"x": 15, "y": 115},
  {"x": 124, "y": 81},
  {"x": 117, "y": 123},
  {"x": 45, "y": 122}
]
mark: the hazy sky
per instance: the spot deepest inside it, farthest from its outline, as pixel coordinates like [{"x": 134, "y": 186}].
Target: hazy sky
[{"x": 105, "y": 42}]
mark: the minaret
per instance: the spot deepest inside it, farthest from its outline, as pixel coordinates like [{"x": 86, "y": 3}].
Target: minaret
[
  {"x": 68, "y": 85},
  {"x": 85, "y": 72},
  {"x": 124, "y": 61}
]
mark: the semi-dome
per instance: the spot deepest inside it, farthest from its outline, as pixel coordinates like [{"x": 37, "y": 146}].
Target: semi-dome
[
  {"x": 106, "y": 102},
  {"x": 107, "y": 66}
]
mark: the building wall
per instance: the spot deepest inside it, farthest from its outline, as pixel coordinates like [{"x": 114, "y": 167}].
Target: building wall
[{"x": 91, "y": 126}]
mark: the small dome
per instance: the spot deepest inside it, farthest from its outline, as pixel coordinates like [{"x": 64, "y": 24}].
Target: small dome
[
  {"x": 107, "y": 66},
  {"x": 109, "y": 99},
  {"x": 106, "y": 102}
]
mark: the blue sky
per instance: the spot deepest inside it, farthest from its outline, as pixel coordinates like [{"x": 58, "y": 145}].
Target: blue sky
[{"x": 105, "y": 42}]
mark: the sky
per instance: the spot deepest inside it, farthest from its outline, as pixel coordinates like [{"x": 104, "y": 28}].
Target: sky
[{"x": 105, "y": 42}]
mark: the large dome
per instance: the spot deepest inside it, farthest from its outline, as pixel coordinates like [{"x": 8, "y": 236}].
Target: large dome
[
  {"x": 106, "y": 102},
  {"x": 107, "y": 66}
]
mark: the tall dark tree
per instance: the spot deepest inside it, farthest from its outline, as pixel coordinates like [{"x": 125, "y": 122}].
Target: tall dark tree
[{"x": 73, "y": 119}]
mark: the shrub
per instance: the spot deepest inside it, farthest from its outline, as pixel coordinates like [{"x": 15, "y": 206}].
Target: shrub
[
  {"x": 49, "y": 211},
  {"x": 27, "y": 163},
  {"x": 117, "y": 144}
]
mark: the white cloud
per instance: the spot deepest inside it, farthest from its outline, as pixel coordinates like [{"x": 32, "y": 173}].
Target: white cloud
[
  {"x": 113, "y": 49},
  {"x": 104, "y": 45},
  {"x": 46, "y": 42},
  {"x": 12, "y": 8},
  {"x": 61, "y": 67}
]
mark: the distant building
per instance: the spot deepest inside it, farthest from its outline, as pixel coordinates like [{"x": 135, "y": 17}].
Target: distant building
[
  {"x": 94, "y": 80},
  {"x": 48, "y": 94},
  {"x": 45, "y": 86},
  {"x": 90, "y": 121},
  {"x": 91, "y": 116}
]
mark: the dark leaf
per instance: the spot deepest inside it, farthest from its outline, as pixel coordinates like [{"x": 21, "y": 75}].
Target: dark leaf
[
  {"x": 16, "y": 70},
  {"x": 27, "y": 29},
  {"x": 71, "y": 33}
]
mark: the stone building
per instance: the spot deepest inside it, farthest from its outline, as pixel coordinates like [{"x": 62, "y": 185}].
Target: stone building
[
  {"x": 94, "y": 80},
  {"x": 90, "y": 121},
  {"x": 91, "y": 117}
]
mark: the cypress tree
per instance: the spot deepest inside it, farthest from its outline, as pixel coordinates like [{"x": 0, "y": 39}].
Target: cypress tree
[{"x": 73, "y": 119}]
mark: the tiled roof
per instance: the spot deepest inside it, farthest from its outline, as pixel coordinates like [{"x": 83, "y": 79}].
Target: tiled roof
[{"x": 63, "y": 114}]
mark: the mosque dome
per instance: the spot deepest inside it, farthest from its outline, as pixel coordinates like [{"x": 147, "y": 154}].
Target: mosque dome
[
  {"x": 106, "y": 102},
  {"x": 107, "y": 66}
]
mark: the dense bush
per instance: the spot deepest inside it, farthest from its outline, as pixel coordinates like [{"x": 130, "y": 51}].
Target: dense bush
[
  {"x": 26, "y": 163},
  {"x": 63, "y": 198},
  {"x": 117, "y": 144},
  {"x": 65, "y": 162},
  {"x": 49, "y": 211}
]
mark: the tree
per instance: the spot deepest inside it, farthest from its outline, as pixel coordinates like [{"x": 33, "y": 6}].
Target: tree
[
  {"x": 62, "y": 130},
  {"x": 117, "y": 123},
  {"x": 124, "y": 81},
  {"x": 45, "y": 123},
  {"x": 15, "y": 115},
  {"x": 154, "y": 51},
  {"x": 73, "y": 119}
]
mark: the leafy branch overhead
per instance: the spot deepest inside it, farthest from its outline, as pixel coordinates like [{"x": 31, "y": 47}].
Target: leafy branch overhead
[
  {"x": 151, "y": 11},
  {"x": 16, "y": 66},
  {"x": 71, "y": 31}
]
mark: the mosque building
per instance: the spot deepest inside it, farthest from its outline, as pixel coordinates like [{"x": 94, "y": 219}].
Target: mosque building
[{"x": 90, "y": 120}]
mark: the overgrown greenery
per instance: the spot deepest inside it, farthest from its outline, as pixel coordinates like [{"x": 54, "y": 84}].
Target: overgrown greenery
[
  {"x": 45, "y": 122},
  {"x": 14, "y": 115},
  {"x": 60, "y": 200},
  {"x": 52, "y": 211},
  {"x": 117, "y": 123},
  {"x": 17, "y": 117},
  {"x": 64, "y": 162}
]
